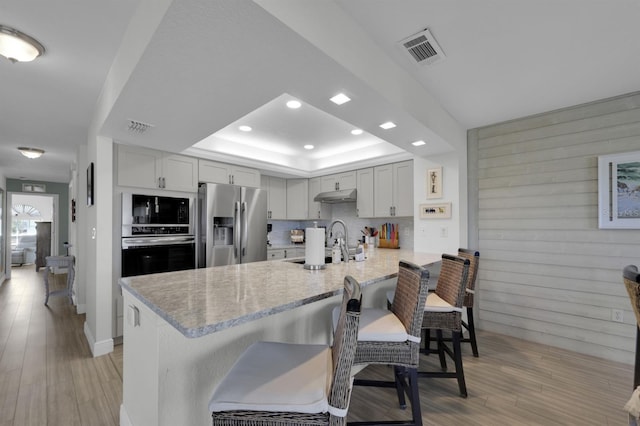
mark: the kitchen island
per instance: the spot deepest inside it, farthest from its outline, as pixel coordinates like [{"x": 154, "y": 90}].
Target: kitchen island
[{"x": 184, "y": 330}]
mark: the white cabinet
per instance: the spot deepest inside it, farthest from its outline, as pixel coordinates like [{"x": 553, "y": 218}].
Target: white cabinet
[
  {"x": 297, "y": 198},
  {"x": 148, "y": 168},
  {"x": 214, "y": 172},
  {"x": 393, "y": 189},
  {"x": 364, "y": 186},
  {"x": 276, "y": 196},
  {"x": 317, "y": 210},
  {"x": 339, "y": 181},
  {"x": 274, "y": 254}
]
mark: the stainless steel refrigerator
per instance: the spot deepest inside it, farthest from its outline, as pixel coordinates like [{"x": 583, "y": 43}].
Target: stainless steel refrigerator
[{"x": 232, "y": 225}]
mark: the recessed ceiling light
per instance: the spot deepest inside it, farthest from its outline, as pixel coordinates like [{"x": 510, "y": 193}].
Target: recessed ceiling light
[
  {"x": 388, "y": 125},
  {"x": 245, "y": 128},
  {"x": 308, "y": 147},
  {"x": 357, "y": 132},
  {"x": 418, "y": 143},
  {"x": 294, "y": 104},
  {"x": 340, "y": 99}
]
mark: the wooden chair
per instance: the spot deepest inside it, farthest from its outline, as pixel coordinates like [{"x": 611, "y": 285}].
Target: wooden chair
[
  {"x": 392, "y": 337},
  {"x": 293, "y": 384},
  {"x": 631, "y": 278},
  {"x": 443, "y": 312}
]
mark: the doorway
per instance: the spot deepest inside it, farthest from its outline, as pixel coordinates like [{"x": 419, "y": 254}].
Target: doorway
[{"x": 24, "y": 212}]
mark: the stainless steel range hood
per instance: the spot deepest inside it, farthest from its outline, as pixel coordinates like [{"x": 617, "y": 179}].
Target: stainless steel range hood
[{"x": 333, "y": 197}]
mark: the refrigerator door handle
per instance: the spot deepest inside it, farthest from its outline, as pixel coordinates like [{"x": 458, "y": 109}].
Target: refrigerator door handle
[
  {"x": 245, "y": 228},
  {"x": 236, "y": 229}
]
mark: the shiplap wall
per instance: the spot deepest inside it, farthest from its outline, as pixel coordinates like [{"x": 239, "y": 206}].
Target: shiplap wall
[{"x": 547, "y": 273}]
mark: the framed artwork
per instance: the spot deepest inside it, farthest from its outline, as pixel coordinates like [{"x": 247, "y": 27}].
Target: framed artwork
[
  {"x": 434, "y": 183},
  {"x": 619, "y": 191},
  {"x": 90, "y": 192},
  {"x": 435, "y": 211}
]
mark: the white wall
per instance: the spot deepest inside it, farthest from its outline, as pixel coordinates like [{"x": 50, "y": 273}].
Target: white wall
[{"x": 547, "y": 273}]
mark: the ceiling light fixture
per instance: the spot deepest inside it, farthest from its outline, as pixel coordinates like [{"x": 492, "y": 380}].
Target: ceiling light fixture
[
  {"x": 357, "y": 132},
  {"x": 17, "y": 46},
  {"x": 30, "y": 152},
  {"x": 388, "y": 125},
  {"x": 294, "y": 104},
  {"x": 340, "y": 99},
  {"x": 308, "y": 147},
  {"x": 418, "y": 143},
  {"x": 244, "y": 128}
]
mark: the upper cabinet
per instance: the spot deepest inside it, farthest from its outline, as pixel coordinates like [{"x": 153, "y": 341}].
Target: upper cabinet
[
  {"x": 214, "y": 172},
  {"x": 297, "y": 199},
  {"x": 317, "y": 210},
  {"x": 148, "y": 168},
  {"x": 339, "y": 181},
  {"x": 276, "y": 196},
  {"x": 364, "y": 203},
  {"x": 393, "y": 189}
]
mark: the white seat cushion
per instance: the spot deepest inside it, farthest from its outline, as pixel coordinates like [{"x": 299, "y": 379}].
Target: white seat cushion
[
  {"x": 377, "y": 325},
  {"x": 435, "y": 303},
  {"x": 272, "y": 376}
]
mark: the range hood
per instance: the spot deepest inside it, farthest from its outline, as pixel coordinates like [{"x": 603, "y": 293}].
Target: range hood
[{"x": 334, "y": 197}]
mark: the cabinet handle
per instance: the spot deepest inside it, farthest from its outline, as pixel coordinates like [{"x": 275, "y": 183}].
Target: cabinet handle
[
  {"x": 390, "y": 211},
  {"x": 164, "y": 184},
  {"x": 159, "y": 182},
  {"x": 232, "y": 179},
  {"x": 357, "y": 212},
  {"x": 285, "y": 254},
  {"x": 394, "y": 210}
]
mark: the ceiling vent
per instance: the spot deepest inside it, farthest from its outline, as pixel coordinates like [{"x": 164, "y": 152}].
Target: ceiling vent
[
  {"x": 138, "y": 127},
  {"x": 423, "y": 48}
]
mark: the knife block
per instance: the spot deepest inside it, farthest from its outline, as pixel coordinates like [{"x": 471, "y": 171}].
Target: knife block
[{"x": 393, "y": 244}]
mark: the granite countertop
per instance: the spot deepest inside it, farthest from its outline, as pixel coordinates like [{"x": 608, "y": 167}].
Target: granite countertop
[{"x": 202, "y": 301}]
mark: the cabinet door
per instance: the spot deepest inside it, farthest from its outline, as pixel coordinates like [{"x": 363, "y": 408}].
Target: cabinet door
[
  {"x": 277, "y": 197},
  {"x": 273, "y": 254},
  {"x": 213, "y": 172},
  {"x": 317, "y": 210},
  {"x": 180, "y": 173},
  {"x": 383, "y": 190},
  {"x": 139, "y": 167},
  {"x": 328, "y": 183},
  {"x": 403, "y": 188},
  {"x": 346, "y": 180},
  {"x": 297, "y": 198},
  {"x": 364, "y": 186},
  {"x": 244, "y": 176}
]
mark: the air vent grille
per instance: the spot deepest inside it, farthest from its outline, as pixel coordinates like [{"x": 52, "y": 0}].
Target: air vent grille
[
  {"x": 138, "y": 127},
  {"x": 423, "y": 48}
]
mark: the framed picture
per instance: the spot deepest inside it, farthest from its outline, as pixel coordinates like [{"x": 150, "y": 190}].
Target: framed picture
[
  {"x": 619, "y": 191},
  {"x": 90, "y": 192},
  {"x": 435, "y": 211},
  {"x": 434, "y": 183}
]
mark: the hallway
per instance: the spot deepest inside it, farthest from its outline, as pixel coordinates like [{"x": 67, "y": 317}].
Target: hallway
[{"x": 47, "y": 373}]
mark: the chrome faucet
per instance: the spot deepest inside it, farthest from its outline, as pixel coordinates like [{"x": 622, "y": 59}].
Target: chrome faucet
[{"x": 343, "y": 244}]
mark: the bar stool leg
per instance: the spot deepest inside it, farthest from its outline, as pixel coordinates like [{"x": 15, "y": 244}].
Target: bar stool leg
[
  {"x": 440, "y": 342},
  {"x": 472, "y": 332},
  {"x": 457, "y": 358},
  {"x": 46, "y": 285},
  {"x": 397, "y": 371}
]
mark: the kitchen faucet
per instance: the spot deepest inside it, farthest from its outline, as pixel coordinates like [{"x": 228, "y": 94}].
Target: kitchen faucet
[{"x": 343, "y": 244}]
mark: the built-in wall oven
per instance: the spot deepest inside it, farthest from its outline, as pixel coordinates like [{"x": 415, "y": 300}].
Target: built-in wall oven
[{"x": 157, "y": 234}]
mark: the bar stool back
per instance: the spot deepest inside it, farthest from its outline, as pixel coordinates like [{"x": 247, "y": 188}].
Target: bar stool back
[
  {"x": 293, "y": 384},
  {"x": 474, "y": 264}
]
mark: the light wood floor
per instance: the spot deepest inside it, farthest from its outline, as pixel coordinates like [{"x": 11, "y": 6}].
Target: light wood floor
[{"x": 48, "y": 377}]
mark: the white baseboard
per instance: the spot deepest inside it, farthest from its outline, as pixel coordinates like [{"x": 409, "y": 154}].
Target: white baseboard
[
  {"x": 124, "y": 417},
  {"x": 100, "y": 348}
]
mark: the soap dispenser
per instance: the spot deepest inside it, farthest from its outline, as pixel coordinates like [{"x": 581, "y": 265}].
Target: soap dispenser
[{"x": 336, "y": 255}]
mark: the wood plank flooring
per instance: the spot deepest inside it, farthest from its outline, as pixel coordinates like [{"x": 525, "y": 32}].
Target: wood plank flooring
[{"x": 48, "y": 376}]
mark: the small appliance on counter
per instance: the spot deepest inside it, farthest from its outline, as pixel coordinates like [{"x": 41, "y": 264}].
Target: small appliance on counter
[{"x": 297, "y": 236}]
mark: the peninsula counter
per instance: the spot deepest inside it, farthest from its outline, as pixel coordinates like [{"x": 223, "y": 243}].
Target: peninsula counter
[{"x": 184, "y": 330}]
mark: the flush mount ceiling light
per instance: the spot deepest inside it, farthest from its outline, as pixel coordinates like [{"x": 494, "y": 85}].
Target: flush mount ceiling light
[
  {"x": 418, "y": 143},
  {"x": 388, "y": 125},
  {"x": 357, "y": 132},
  {"x": 245, "y": 128},
  {"x": 308, "y": 147},
  {"x": 340, "y": 99},
  {"x": 30, "y": 152},
  {"x": 294, "y": 104},
  {"x": 17, "y": 46}
]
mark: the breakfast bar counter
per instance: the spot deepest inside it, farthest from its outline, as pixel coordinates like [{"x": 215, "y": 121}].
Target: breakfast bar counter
[{"x": 183, "y": 330}]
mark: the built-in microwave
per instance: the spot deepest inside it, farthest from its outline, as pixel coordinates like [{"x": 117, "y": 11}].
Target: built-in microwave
[{"x": 153, "y": 215}]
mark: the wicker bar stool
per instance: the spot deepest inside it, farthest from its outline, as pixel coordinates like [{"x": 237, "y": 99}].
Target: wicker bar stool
[
  {"x": 392, "y": 337},
  {"x": 293, "y": 384},
  {"x": 443, "y": 311},
  {"x": 631, "y": 278}
]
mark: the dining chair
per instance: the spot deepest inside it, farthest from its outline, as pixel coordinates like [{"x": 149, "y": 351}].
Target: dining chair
[
  {"x": 280, "y": 384},
  {"x": 443, "y": 312},
  {"x": 392, "y": 337}
]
